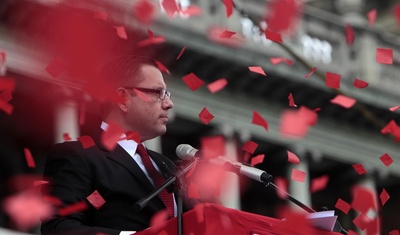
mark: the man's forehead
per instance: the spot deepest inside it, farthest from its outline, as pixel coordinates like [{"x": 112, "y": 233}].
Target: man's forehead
[{"x": 152, "y": 78}]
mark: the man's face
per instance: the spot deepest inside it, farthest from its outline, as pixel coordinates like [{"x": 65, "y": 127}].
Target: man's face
[{"x": 148, "y": 117}]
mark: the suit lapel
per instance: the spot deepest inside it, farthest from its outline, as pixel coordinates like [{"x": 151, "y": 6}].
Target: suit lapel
[
  {"x": 120, "y": 156},
  {"x": 164, "y": 168}
]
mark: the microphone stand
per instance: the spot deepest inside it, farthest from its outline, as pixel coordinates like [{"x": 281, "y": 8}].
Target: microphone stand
[{"x": 178, "y": 176}]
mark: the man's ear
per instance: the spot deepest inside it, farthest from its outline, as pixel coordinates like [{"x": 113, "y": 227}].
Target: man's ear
[{"x": 123, "y": 99}]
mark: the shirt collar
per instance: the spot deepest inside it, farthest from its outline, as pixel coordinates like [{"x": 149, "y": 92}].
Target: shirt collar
[{"x": 124, "y": 142}]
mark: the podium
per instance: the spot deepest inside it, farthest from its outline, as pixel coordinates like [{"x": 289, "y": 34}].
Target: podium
[{"x": 212, "y": 219}]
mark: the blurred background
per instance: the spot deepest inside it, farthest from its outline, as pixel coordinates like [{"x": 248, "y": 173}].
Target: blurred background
[{"x": 51, "y": 50}]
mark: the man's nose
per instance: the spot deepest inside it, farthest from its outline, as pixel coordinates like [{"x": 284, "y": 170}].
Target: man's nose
[{"x": 167, "y": 103}]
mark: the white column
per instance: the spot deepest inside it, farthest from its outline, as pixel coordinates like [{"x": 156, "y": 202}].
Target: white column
[
  {"x": 154, "y": 144},
  {"x": 66, "y": 116},
  {"x": 300, "y": 190},
  {"x": 368, "y": 183},
  {"x": 230, "y": 193},
  {"x": 352, "y": 11}
]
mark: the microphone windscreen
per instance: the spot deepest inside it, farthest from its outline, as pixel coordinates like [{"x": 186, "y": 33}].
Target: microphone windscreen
[{"x": 185, "y": 152}]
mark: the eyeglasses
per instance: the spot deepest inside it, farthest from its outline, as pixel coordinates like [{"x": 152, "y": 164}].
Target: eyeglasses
[{"x": 162, "y": 93}]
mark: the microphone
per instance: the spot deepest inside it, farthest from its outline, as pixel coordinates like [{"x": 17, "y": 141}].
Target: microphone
[{"x": 187, "y": 152}]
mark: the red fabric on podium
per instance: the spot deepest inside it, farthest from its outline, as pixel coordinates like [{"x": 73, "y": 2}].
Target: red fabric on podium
[{"x": 211, "y": 219}]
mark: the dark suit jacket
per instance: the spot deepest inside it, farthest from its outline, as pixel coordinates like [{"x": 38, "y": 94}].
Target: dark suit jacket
[{"x": 74, "y": 173}]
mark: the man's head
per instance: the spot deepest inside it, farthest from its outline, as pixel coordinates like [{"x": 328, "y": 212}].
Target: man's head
[{"x": 143, "y": 101}]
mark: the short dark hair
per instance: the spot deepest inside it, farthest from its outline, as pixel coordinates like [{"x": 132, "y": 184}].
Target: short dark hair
[
  {"x": 122, "y": 71},
  {"x": 125, "y": 70}
]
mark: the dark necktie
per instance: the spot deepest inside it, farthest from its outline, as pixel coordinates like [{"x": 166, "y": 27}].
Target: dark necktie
[{"x": 157, "y": 178}]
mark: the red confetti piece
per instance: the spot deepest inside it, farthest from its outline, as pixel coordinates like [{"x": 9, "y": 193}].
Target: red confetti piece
[
  {"x": 170, "y": 7},
  {"x": 111, "y": 135},
  {"x": 37, "y": 183},
  {"x": 363, "y": 199},
  {"x": 150, "y": 33},
  {"x": 396, "y": 12},
  {"x": 96, "y": 199},
  {"x": 332, "y": 80},
  {"x": 283, "y": 15},
  {"x": 283, "y": 184},
  {"x": 228, "y": 7},
  {"x": 82, "y": 114},
  {"x": 66, "y": 137},
  {"x": 6, "y": 107},
  {"x": 159, "y": 218},
  {"x": 292, "y": 125},
  {"x": 181, "y": 53},
  {"x": 384, "y": 196},
  {"x": 343, "y": 206},
  {"x": 394, "y": 108},
  {"x": 295, "y": 123},
  {"x": 386, "y": 159},
  {"x": 349, "y": 35},
  {"x": 151, "y": 41},
  {"x": 205, "y": 116},
  {"x": 162, "y": 67},
  {"x": 371, "y": 15},
  {"x": 319, "y": 183},
  {"x": 214, "y": 34},
  {"x": 192, "y": 81},
  {"x": 344, "y": 101},
  {"x": 121, "y": 32},
  {"x": 213, "y": 146},
  {"x": 250, "y": 147},
  {"x": 102, "y": 91},
  {"x": 293, "y": 158},
  {"x": 278, "y": 60},
  {"x": 141, "y": 95},
  {"x": 7, "y": 84},
  {"x": 100, "y": 15},
  {"x": 311, "y": 72},
  {"x": 384, "y": 55},
  {"x": 227, "y": 34},
  {"x": 55, "y": 68},
  {"x": 217, "y": 85},
  {"x": 360, "y": 83},
  {"x": 259, "y": 120},
  {"x": 257, "y": 159},
  {"x": 86, "y": 141},
  {"x": 359, "y": 168},
  {"x": 275, "y": 37},
  {"x": 52, "y": 200},
  {"x": 394, "y": 232},
  {"x": 298, "y": 175},
  {"x": 291, "y": 101},
  {"x": 257, "y": 69},
  {"x": 192, "y": 10},
  {"x": 193, "y": 191},
  {"x": 26, "y": 209},
  {"x": 29, "y": 158},
  {"x": 3, "y": 57},
  {"x": 6, "y": 95},
  {"x": 73, "y": 208},
  {"x": 392, "y": 128},
  {"x": 362, "y": 221},
  {"x": 133, "y": 135},
  {"x": 144, "y": 11}
]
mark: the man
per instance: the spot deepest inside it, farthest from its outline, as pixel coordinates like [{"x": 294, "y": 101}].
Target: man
[{"x": 123, "y": 175}]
